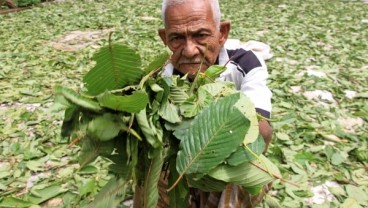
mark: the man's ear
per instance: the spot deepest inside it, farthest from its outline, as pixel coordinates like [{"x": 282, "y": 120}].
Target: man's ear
[
  {"x": 162, "y": 34},
  {"x": 224, "y": 30}
]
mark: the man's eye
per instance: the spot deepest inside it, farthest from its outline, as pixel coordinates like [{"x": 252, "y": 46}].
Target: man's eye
[
  {"x": 175, "y": 38},
  {"x": 200, "y": 35}
]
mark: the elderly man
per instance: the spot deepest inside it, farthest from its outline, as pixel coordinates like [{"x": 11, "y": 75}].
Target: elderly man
[{"x": 195, "y": 35}]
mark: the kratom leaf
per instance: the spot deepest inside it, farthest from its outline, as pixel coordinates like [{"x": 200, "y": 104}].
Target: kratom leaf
[
  {"x": 156, "y": 88},
  {"x": 129, "y": 103},
  {"x": 91, "y": 149},
  {"x": 116, "y": 67},
  {"x": 12, "y": 202},
  {"x": 211, "y": 74},
  {"x": 150, "y": 196},
  {"x": 46, "y": 193},
  {"x": 71, "y": 119},
  {"x": 158, "y": 62},
  {"x": 214, "y": 71},
  {"x": 178, "y": 197},
  {"x": 77, "y": 99},
  {"x": 169, "y": 112},
  {"x": 104, "y": 128},
  {"x": 255, "y": 174},
  {"x": 178, "y": 95},
  {"x": 148, "y": 129},
  {"x": 87, "y": 186},
  {"x": 180, "y": 129},
  {"x": 357, "y": 193},
  {"x": 121, "y": 166},
  {"x": 214, "y": 134},
  {"x": 219, "y": 89},
  {"x": 246, "y": 106},
  {"x": 242, "y": 154},
  {"x": 194, "y": 104},
  {"x": 254, "y": 190},
  {"x": 272, "y": 202},
  {"x": 206, "y": 183},
  {"x": 107, "y": 195}
]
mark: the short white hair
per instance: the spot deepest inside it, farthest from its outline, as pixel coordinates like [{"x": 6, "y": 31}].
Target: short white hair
[{"x": 215, "y": 6}]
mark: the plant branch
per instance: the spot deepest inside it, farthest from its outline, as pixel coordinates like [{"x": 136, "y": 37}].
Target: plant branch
[{"x": 276, "y": 176}]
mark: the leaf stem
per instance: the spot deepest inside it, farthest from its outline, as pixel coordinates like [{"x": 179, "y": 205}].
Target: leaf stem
[
  {"x": 176, "y": 183},
  {"x": 145, "y": 78},
  {"x": 276, "y": 176},
  {"x": 259, "y": 159},
  {"x": 198, "y": 72}
]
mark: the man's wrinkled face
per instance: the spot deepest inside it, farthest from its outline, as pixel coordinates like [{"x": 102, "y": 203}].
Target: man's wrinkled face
[{"x": 191, "y": 34}]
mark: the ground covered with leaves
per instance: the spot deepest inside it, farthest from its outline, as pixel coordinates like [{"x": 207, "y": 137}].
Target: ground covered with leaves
[{"x": 317, "y": 76}]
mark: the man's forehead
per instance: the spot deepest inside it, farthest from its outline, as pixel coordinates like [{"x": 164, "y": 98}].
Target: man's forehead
[
  {"x": 190, "y": 13},
  {"x": 191, "y": 27}
]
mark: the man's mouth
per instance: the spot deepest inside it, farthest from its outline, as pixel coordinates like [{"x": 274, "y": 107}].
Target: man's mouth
[{"x": 189, "y": 63}]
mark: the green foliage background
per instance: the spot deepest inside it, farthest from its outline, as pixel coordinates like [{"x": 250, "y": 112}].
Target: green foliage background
[
  {"x": 329, "y": 35},
  {"x": 22, "y": 3}
]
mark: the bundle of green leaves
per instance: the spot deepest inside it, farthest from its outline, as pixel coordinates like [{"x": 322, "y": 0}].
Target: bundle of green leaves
[{"x": 201, "y": 134}]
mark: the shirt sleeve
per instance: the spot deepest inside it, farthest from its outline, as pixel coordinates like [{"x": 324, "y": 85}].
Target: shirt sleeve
[{"x": 254, "y": 85}]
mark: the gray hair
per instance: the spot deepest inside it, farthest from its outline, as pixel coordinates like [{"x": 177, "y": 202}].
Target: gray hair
[{"x": 214, "y": 6}]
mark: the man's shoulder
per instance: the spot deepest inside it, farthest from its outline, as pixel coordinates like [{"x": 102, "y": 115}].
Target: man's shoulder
[{"x": 244, "y": 59}]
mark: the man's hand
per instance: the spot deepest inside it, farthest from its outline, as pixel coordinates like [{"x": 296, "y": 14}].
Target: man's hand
[{"x": 265, "y": 130}]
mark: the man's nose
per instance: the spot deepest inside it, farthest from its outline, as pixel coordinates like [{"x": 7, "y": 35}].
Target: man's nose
[{"x": 190, "y": 49}]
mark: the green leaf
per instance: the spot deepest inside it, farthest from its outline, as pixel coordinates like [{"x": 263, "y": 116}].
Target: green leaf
[
  {"x": 158, "y": 61},
  {"x": 338, "y": 158},
  {"x": 129, "y": 103},
  {"x": 254, "y": 190},
  {"x": 178, "y": 197},
  {"x": 255, "y": 174},
  {"x": 116, "y": 67},
  {"x": 302, "y": 157},
  {"x": 70, "y": 122},
  {"x": 219, "y": 89},
  {"x": 361, "y": 154},
  {"x": 272, "y": 202},
  {"x": 121, "y": 163},
  {"x": 282, "y": 136},
  {"x": 91, "y": 149},
  {"x": 88, "y": 186},
  {"x": 246, "y": 107},
  {"x": 169, "y": 112},
  {"x": 206, "y": 183},
  {"x": 242, "y": 154},
  {"x": 303, "y": 193},
  {"x": 35, "y": 165},
  {"x": 10, "y": 202},
  {"x": 194, "y": 104},
  {"x": 77, "y": 99},
  {"x": 358, "y": 194},
  {"x": 104, "y": 127},
  {"x": 350, "y": 203},
  {"x": 178, "y": 95},
  {"x": 214, "y": 134},
  {"x": 108, "y": 194},
  {"x": 46, "y": 193},
  {"x": 150, "y": 196},
  {"x": 151, "y": 134},
  {"x": 214, "y": 71},
  {"x": 89, "y": 169}
]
